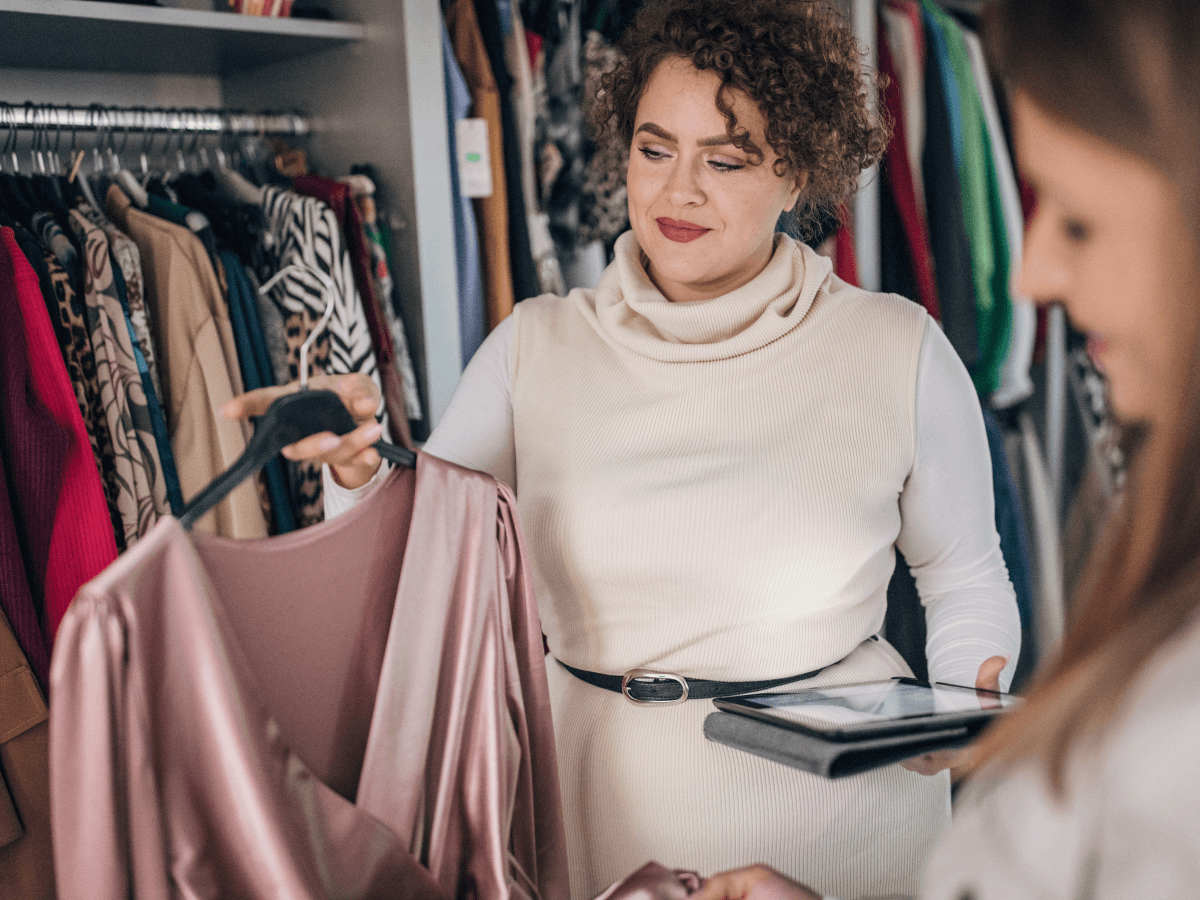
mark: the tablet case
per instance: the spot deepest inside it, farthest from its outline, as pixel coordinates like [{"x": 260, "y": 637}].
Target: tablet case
[{"x": 829, "y": 759}]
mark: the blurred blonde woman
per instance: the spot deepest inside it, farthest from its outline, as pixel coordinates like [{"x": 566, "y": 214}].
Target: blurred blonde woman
[{"x": 1092, "y": 790}]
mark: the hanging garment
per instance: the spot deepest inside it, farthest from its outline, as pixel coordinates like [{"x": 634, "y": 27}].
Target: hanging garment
[
  {"x": 493, "y": 29},
  {"x": 158, "y": 420},
  {"x": 604, "y": 199},
  {"x": 256, "y": 373},
  {"x": 903, "y": 190},
  {"x": 199, "y": 366},
  {"x": 982, "y": 209},
  {"x": 472, "y": 325},
  {"x": 944, "y": 201},
  {"x": 129, "y": 261},
  {"x": 392, "y": 740},
  {"x": 363, "y": 188},
  {"x": 491, "y": 212},
  {"x": 76, "y": 349},
  {"x": 83, "y": 541},
  {"x": 381, "y": 352},
  {"x": 906, "y": 40},
  {"x": 1015, "y": 383},
  {"x": 305, "y": 233},
  {"x": 26, "y": 855},
  {"x": 143, "y": 497},
  {"x": 33, "y": 447}
]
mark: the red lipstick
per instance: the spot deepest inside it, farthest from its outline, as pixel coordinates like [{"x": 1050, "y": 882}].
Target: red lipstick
[{"x": 680, "y": 232}]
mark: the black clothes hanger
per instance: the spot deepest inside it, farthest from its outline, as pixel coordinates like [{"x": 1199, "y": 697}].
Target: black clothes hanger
[{"x": 287, "y": 420}]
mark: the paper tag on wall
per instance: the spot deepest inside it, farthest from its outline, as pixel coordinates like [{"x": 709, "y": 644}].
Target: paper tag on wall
[{"x": 474, "y": 160}]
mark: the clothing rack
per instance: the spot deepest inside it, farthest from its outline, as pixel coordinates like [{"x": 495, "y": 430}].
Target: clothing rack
[{"x": 99, "y": 118}]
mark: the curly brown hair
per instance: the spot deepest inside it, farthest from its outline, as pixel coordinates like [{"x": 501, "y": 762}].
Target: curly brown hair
[{"x": 797, "y": 59}]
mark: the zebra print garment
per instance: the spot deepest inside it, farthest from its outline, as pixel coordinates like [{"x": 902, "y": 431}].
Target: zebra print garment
[{"x": 305, "y": 231}]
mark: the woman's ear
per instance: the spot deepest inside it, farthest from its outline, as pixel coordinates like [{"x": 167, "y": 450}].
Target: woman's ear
[{"x": 798, "y": 184}]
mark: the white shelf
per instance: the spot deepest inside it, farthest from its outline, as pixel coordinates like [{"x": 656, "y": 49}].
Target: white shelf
[{"x": 86, "y": 35}]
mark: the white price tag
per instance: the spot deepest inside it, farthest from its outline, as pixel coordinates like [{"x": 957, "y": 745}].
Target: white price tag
[{"x": 474, "y": 160}]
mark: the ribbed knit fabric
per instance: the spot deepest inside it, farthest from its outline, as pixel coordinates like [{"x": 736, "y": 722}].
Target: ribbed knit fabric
[
  {"x": 33, "y": 447},
  {"x": 726, "y": 508},
  {"x": 82, "y": 542}
]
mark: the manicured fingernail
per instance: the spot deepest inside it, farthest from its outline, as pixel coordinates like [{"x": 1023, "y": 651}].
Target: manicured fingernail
[
  {"x": 375, "y": 432},
  {"x": 329, "y": 443}
]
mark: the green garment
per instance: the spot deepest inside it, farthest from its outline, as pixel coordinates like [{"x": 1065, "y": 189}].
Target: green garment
[{"x": 982, "y": 213}]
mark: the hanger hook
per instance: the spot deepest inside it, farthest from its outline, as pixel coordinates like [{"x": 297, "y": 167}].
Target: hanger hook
[{"x": 328, "y": 289}]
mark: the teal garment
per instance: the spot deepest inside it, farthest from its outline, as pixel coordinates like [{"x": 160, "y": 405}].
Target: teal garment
[
  {"x": 941, "y": 54},
  {"x": 255, "y": 365},
  {"x": 982, "y": 210},
  {"x": 158, "y": 421}
]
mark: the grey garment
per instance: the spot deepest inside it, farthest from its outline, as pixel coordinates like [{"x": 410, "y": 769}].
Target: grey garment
[
  {"x": 1127, "y": 826},
  {"x": 274, "y": 331},
  {"x": 562, "y": 142}
]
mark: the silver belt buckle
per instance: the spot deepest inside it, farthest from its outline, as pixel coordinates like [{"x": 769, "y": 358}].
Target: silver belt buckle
[{"x": 632, "y": 674}]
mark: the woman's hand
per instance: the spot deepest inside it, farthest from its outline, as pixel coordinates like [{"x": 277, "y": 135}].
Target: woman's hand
[
  {"x": 759, "y": 882},
  {"x": 988, "y": 679},
  {"x": 350, "y": 456}
]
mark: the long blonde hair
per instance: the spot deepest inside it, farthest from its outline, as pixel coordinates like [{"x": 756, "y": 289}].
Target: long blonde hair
[{"x": 1129, "y": 73}]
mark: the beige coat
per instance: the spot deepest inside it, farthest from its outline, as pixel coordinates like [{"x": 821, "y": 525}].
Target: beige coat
[{"x": 198, "y": 363}]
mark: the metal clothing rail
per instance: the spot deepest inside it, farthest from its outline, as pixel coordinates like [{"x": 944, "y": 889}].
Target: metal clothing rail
[{"x": 111, "y": 119}]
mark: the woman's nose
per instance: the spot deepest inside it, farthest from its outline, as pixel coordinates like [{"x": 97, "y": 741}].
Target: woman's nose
[
  {"x": 1044, "y": 274},
  {"x": 683, "y": 186}
]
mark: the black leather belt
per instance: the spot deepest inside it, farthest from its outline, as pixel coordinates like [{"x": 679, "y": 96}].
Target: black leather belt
[{"x": 646, "y": 687}]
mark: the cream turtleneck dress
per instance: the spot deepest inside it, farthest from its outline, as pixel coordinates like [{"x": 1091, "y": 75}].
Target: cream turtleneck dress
[{"x": 715, "y": 489}]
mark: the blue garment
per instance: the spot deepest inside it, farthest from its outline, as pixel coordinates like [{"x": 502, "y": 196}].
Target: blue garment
[
  {"x": 937, "y": 46},
  {"x": 162, "y": 439},
  {"x": 472, "y": 323},
  {"x": 1010, "y": 521},
  {"x": 255, "y": 364}
]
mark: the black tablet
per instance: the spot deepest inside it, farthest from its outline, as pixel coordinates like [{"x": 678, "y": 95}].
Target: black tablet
[{"x": 873, "y": 708}]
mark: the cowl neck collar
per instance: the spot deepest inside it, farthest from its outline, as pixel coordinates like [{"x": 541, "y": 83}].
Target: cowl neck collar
[{"x": 633, "y": 313}]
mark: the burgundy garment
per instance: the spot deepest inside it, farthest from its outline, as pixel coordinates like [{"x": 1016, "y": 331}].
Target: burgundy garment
[
  {"x": 338, "y": 197},
  {"x": 900, "y": 177},
  {"x": 33, "y": 447},
  {"x": 358, "y": 709},
  {"x": 82, "y": 540}
]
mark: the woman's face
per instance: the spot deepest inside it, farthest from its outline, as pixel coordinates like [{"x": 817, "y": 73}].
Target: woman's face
[
  {"x": 702, "y": 210},
  {"x": 1108, "y": 239}
]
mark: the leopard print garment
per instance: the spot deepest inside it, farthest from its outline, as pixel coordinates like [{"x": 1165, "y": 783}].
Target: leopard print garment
[
  {"x": 304, "y": 477},
  {"x": 143, "y": 495},
  {"x": 128, "y": 258},
  {"x": 77, "y": 353}
]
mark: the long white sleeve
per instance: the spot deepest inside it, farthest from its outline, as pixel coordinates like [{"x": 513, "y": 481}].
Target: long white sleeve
[
  {"x": 476, "y": 430},
  {"x": 948, "y": 533},
  {"x": 948, "y": 526}
]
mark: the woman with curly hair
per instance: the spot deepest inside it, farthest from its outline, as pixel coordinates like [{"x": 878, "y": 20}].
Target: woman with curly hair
[{"x": 716, "y": 452}]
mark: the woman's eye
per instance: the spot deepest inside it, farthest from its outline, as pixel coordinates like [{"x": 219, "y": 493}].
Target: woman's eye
[
  {"x": 723, "y": 166},
  {"x": 651, "y": 154}
]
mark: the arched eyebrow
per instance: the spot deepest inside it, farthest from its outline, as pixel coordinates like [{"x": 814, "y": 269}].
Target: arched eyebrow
[{"x": 718, "y": 140}]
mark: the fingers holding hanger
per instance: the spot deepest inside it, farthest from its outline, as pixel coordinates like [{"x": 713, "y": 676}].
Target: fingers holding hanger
[
  {"x": 350, "y": 456},
  {"x": 357, "y": 391},
  {"x": 254, "y": 403}
]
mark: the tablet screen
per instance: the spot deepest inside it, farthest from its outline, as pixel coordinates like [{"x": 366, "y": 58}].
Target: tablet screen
[{"x": 878, "y": 702}]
